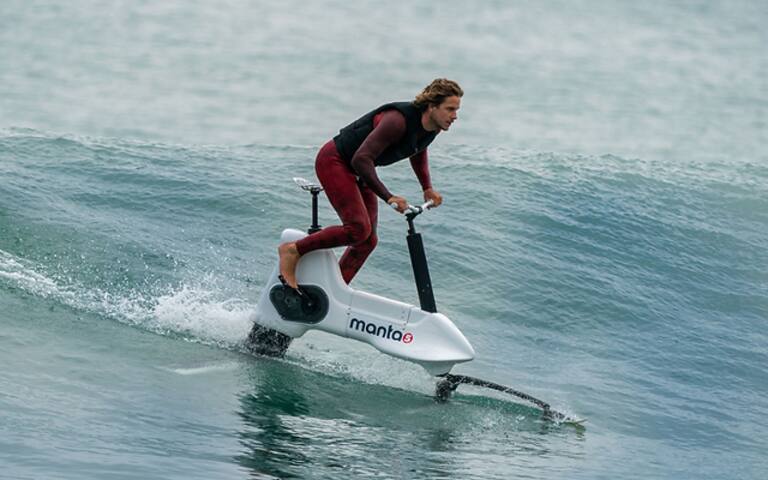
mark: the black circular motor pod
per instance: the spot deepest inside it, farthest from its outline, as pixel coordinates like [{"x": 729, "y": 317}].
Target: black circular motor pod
[{"x": 309, "y": 306}]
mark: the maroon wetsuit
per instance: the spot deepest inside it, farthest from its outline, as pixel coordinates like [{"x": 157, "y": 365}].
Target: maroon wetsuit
[{"x": 352, "y": 188}]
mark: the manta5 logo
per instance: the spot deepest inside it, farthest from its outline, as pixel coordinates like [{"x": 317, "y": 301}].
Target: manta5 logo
[{"x": 380, "y": 331}]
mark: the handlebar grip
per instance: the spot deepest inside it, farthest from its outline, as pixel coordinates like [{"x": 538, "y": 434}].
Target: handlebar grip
[{"x": 414, "y": 209}]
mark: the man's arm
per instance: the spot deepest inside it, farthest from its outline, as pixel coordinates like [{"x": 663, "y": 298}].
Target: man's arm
[
  {"x": 389, "y": 129},
  {"x": 421, "y": 169}
]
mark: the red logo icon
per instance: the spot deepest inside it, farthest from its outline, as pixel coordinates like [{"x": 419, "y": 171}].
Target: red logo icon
[{"x": 408, "y": 337}]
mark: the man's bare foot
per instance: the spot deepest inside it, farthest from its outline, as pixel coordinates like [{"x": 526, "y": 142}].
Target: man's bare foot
[{"x": 289, "y": 258}]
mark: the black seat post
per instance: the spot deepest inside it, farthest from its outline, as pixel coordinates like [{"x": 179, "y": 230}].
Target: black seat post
[
  {"x": 315, "y": 190},
  {"x": 315, "y": 227}
]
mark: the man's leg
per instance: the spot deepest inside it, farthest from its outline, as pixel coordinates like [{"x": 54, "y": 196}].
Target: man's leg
[
  {"x": 355, "y": 255},
  {"x": 340, "y": 185}
]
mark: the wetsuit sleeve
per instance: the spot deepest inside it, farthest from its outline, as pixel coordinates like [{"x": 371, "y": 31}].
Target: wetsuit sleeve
[
  {"x": 388, "y": 131},
  {"x": 421, "y": 169}
]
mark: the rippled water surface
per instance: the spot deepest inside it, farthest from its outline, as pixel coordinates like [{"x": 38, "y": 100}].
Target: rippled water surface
[{"x": 602, "y": 245}]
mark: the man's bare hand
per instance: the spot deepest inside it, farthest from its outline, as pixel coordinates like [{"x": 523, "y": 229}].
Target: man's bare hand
[
  {"x": 400, "y": 204},
  {"x": 431, "y": 194}
]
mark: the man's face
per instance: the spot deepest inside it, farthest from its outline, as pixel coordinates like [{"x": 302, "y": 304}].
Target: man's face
[{"x": 446, "y": 113}]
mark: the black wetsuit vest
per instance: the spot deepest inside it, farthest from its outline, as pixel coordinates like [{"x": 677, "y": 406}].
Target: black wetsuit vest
[{"x": 415, "y": 139}]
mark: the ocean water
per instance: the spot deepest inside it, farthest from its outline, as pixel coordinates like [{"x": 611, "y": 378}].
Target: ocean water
[{"x": 603, "y": 242}]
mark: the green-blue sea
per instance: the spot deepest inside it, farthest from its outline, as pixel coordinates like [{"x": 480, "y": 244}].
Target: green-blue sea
[{"x": 603, "y": 242}]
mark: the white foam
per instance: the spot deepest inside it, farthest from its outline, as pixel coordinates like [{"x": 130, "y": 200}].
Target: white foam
[
  {"x": 222, "y": 367},
  {"x": 196, "y": 311},
  {"x": 330, "y": 354},
  {"x": 193, "y": 310},
  {"x": 24, "y": 277}
]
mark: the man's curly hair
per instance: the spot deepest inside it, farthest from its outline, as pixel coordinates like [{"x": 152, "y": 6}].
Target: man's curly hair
[{"x": 436, "y": 92}]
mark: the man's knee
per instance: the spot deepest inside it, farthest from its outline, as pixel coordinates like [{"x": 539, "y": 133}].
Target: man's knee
[
  {"x": 371, "y": 241},
  {"x": 368, "y": 244},
  {"x": 358, "y": 232}
]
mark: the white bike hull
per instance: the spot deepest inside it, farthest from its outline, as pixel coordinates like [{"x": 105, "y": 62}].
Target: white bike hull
[{"x": 395, "y": 328}]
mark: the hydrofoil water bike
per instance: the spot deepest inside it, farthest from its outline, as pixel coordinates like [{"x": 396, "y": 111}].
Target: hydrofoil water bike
[{"x": 323, "y": 301}]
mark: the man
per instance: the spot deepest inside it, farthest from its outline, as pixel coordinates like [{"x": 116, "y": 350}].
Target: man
[{"x": 346, "y": 168}]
